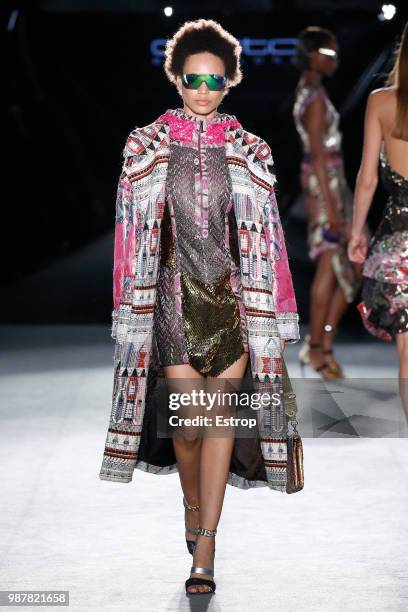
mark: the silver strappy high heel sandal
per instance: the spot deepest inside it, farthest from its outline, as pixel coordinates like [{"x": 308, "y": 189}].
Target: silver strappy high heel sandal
[
  {"x": 209, "y": 571},
  {"x": 190, "y": 543}
]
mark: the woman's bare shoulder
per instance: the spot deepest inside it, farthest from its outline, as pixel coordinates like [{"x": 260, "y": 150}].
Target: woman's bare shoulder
[
  {"x": 381, "y": 103},
  {"x": 381, "y": 95}
]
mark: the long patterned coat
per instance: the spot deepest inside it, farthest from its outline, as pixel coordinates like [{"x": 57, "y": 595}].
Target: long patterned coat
[{"x": 269, "y": 303}]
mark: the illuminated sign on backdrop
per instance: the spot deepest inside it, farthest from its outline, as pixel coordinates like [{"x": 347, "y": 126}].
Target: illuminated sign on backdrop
[{"x": 256, "y": 50}]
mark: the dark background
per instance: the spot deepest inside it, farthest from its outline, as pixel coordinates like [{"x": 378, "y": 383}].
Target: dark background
[{"x": 79, "y": 76}]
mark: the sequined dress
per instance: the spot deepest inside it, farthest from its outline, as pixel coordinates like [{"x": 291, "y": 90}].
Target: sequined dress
[
  {"x": 384, "y": 305},
  {"x": 199, "y": 314},
  {"x": 345, "y": 272}
]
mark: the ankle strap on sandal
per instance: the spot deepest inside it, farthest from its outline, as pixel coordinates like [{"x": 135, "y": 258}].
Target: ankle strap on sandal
[
  {"x": 313, "y": 345},
  {"x": 195, "y": 569},
  {"x": 206, "y": 532},
  {"x": 187, "y": 505}
]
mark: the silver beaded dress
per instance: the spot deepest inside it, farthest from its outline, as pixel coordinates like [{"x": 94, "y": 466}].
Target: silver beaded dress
[
  {"x": 199, "y": 314},
  {"x": 347, "y": 278}
]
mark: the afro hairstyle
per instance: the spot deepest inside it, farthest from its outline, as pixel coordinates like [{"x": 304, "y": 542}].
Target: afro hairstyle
[{"x": 203, "y": 35}]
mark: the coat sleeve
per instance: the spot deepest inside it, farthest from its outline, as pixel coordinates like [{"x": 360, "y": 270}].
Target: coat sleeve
[
  {"x": 128, "y": 230},
  {"x": 126, "y": 236},
  {"x": 123, "y": 222},
  {"x": 122, "y": 247},
  {"x": 283, "y": 293}
]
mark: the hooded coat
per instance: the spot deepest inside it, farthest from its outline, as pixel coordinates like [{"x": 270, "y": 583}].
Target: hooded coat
[{"x": 269, "y": 305}]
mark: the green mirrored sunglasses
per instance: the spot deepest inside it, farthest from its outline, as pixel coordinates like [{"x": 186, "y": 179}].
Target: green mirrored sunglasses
[{"x": 214, "y": 82}]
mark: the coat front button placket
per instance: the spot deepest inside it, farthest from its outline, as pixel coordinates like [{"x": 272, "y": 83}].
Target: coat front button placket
[{"x": 196, "y": 161}]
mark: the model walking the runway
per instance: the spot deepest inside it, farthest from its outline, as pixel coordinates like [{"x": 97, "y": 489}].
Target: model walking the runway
[
  {"x": 384, "y": 305},
  {"x": 202, "y": 290},
  {"x": 328, "y": 200}
]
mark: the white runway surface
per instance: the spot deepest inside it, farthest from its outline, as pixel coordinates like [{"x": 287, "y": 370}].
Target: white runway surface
[{"x": 341, "y": 545}]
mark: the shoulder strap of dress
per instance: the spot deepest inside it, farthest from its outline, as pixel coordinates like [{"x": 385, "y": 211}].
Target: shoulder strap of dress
[{"x": 316, "y": 92}]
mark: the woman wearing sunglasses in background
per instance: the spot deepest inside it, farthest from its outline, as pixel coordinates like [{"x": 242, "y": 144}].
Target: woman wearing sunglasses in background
[
  {"x": 220, "y": 290},
  {"x": 328, "y": 200},
  {"x": 384, "y": 305}
]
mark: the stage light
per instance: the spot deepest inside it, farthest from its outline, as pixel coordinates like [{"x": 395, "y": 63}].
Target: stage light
[
  {"x": 387, "y": 12},
  {"x": 168, "y": 11},
  {"x": 12, "y": 20}
]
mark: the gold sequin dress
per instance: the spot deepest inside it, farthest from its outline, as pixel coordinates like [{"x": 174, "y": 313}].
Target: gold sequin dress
[{"x": 199, "y": 314}]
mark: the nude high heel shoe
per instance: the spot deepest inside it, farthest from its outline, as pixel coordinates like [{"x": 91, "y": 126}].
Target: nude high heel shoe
[
  {"x": 304, "y": 359},
  {"x": 331, "y": 361}
]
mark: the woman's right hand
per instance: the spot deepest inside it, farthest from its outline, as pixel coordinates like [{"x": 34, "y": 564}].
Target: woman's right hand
[{"x": 357, "y": 248}]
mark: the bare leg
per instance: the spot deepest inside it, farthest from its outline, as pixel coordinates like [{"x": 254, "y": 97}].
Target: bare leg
[
  {"x": 324, "y": 282},
  {"x": 337, "y": 308},
  {"x": 215, "y": 462},
  {"x": 181, "y": 379},
  {"x": 402, "y": 346}
]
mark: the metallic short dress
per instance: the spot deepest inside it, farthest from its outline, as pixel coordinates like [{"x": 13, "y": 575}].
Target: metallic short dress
[
  {"x": 348, "y": 280},
  {"x": 384, "y": 305},
  {"x": 199, "y": 313}
]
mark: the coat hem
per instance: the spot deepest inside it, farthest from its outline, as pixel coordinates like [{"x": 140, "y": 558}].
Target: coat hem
[{"x": 233, "y": 479}]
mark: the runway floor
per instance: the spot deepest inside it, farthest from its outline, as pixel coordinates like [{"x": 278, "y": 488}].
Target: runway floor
[{"x": 338, "y": 545}]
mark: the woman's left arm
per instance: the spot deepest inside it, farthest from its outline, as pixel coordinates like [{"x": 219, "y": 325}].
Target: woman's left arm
[{"x": 367, "y": 178}]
